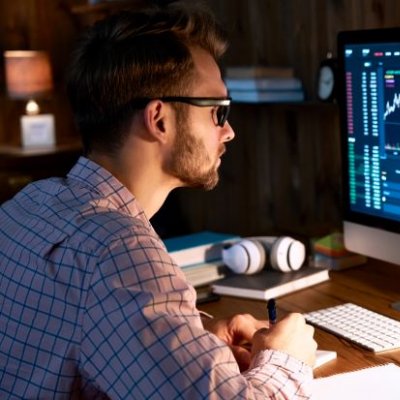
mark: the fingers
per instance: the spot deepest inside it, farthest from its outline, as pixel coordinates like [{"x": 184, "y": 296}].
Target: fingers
[
  {"x": 263, "y": 331},
  {"x": 237, "y": 332},
  {"x": 242, "y": 356},
  {"x": 237, "y": 329},
  {"x": 244, "y": 326},
  {"x": 291, "y": 335}
]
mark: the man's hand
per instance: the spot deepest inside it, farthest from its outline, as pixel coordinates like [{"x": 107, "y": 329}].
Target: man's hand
[
  {"x": 247, "y": 336},
  {"x": 237, "y": 331},
  {"x": 290, "y": 335}
]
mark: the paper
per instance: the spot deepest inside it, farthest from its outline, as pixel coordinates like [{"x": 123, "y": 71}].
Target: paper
[
  {"x": 381, "y": 382},
  {"x": 324, "y": 356}
]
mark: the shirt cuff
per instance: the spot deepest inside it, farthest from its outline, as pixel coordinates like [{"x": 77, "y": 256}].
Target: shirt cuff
[
  {"x": 280, "y": 375},
  {"x": 281, "y": 359}
]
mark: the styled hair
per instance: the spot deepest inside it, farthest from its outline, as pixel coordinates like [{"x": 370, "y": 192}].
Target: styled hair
[{"x": 133, "y": 55}]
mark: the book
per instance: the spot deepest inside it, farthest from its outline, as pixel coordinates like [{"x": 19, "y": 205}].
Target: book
[
  {"x": 205, "y": 295},
  {"x": 379, "y": 382},
  {"x": 258, "y": 71},
  {"x": 263, "y": 84},
  {"x": 198, "y": 247},
  {"x": 269, "y": 283},
  {"x": 331, "y": 245},
  {"x": 338, "y": 263},
  {"x": 204, "y": 273},
  {"x": 267, "y": 96}
]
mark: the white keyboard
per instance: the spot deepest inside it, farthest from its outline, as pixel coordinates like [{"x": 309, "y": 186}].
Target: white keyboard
[{"x": 359, "y": 325}]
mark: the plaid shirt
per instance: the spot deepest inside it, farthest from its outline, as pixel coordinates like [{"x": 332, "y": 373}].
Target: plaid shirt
[{"x": 92, "y": 306}]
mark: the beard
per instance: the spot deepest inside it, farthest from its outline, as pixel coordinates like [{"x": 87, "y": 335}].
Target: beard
[{"x": 189, "y": 156}]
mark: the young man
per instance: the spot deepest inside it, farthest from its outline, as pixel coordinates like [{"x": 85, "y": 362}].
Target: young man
[{"x": 92, "y": 306}]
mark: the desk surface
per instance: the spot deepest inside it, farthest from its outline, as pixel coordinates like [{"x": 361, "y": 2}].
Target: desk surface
[{"x": 374, "y": 285}]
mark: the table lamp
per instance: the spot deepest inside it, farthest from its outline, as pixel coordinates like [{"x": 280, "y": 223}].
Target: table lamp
[{"x": 28, "y": 77}]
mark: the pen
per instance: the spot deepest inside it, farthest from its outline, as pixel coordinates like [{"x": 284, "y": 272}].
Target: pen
[{"x": 271, "y": 307}]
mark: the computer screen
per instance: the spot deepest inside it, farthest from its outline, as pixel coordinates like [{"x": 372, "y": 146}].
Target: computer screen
[{"x": 369, "y": 103}]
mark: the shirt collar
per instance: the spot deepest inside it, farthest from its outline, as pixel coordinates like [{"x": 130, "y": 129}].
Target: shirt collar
[{"x": 100, "y": 180}]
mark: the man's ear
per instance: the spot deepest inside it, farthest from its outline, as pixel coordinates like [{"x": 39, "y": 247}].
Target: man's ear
[{"x": 157, "y": 119}]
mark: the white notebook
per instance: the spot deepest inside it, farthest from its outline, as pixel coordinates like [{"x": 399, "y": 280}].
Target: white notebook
[{"x": 380, "y": 382}]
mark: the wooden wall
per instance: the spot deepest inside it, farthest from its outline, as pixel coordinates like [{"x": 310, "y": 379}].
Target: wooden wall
[
  {"x": 297, "y": 33},
  {"x": 282, "y": 172}
]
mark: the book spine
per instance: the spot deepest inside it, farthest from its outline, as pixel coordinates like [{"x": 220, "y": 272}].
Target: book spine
[
  {"x": 199, "y": 254},
  {"x": 198, "y": 247},
  {"x": 255, "y": 96},
  {"x": 264, "y": 84},
  {"x": 259, "y": 72},
  {"x": 337, "y": 263},
  {"x": 204, "y": 273}
]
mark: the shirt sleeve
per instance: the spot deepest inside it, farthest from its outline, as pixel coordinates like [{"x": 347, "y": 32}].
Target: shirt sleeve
[{"x": 142, "y": 336}]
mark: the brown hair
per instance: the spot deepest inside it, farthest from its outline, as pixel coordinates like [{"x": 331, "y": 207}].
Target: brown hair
[{"x": 135, "y": 54}]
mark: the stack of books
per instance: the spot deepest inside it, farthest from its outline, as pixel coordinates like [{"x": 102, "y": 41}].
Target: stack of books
[
  {"x": 330, "y": 252},
  {"x": 200, "y": 255},
  {"x": 260, "y": 84}
]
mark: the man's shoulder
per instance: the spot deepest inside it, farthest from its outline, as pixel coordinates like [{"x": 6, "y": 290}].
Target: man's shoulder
[
  {"x": 75, "y": 213},
  {"x": 109, "y": 220}
]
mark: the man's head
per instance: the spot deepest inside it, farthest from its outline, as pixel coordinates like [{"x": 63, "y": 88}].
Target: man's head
[
  {"x": 201, "y": 132},
  {"x": 136, "y": 55}
]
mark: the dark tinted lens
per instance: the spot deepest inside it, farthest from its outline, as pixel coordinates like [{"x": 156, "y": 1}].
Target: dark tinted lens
[{"x": 222, "y": 114}]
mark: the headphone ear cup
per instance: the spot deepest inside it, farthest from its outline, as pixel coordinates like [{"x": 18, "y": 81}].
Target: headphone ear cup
[
  {"x": 258, "y": 258},
  {"x": 287, "y": 254},
  {"x": 244, "y": 257}
]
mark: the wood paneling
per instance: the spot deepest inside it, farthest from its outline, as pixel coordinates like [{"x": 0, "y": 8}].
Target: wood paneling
[
  {"x": 297, "y": 33},
  {"x": 282, "y": 172}
]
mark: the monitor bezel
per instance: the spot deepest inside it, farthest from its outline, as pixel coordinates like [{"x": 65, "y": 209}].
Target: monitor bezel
[{"x": 384, "y": 35}]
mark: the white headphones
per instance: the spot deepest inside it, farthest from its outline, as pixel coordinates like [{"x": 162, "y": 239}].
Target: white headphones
[{"x": 248, "y": 256}]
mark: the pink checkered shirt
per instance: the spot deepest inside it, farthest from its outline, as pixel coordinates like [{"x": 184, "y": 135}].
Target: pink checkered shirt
[{"x": 92, "y": 306}]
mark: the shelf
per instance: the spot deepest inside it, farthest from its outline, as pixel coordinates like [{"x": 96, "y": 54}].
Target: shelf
[
  {"x": 105, "y": 7},
  {"x": 20, "y": 152},
  {"x": 85, "y": 15},
  {"x": 296, "y": 105},
  {"x": 306, "y": 103}
]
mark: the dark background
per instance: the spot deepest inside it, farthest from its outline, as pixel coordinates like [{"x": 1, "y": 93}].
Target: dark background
[{"x": 282, "y": 172}]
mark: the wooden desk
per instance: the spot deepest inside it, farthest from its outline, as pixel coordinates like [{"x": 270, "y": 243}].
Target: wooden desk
[{"x": 374, "y": 285}]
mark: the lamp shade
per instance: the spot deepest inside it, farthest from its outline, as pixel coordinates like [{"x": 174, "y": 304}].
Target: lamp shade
[{"x": 28, "y": 74}]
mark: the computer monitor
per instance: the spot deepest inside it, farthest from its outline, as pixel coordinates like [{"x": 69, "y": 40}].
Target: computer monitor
[{"x": 369, "y": 103}]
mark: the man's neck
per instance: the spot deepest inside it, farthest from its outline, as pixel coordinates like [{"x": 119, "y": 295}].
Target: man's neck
[{"x": 148, "y": 185}]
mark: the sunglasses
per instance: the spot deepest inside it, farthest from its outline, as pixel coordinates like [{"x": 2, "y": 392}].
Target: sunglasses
[{"x": 223, "y": 104}]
